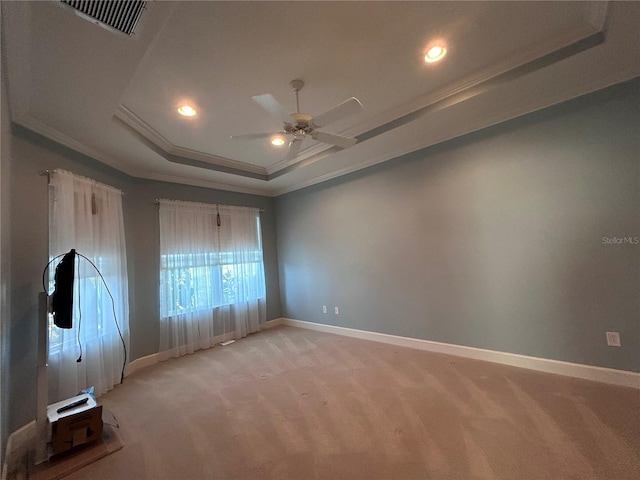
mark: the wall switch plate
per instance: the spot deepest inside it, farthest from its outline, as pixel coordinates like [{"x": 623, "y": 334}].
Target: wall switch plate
[
  {"x": 613, "y": 339},
  {"x": 324, "y": 309},
  {"x": 337, "y": 311}
]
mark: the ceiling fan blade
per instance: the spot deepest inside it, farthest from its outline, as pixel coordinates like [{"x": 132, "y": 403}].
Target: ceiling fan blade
[
  {"x": 294, "y": 148},
  {"x": 271, "y": 105},
  {"x": 253, "y": 136},
  {"x": 333, "y": 139},
  {"x": 346, "y": 108}
]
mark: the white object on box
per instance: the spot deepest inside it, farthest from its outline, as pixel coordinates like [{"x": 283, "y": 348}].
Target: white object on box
[{"x": 52, "y": 410}]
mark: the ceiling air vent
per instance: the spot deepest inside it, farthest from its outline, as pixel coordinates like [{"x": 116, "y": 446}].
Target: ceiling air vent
[{"x": 120, "y": 15}]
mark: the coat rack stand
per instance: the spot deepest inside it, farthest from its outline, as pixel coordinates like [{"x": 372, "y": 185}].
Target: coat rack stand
[{"x": 42, "y": 395}]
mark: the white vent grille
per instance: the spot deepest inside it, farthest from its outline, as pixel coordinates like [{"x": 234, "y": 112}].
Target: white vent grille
[{"x": 121, "y": 15}]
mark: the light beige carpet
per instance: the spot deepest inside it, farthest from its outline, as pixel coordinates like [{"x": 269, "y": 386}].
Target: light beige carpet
[
  {"x": 289, "y": 403},
  {"x": 62, "y": 465}
]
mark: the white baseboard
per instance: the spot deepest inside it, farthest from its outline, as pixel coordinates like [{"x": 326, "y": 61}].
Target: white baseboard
[
  {"x": 273, "y": 323},
  {"x": 19, "y": 444},
  {"x": 154, "y": 358},
  {"x": 587, "y": 372},
  {"x": 141, "y": 362}
]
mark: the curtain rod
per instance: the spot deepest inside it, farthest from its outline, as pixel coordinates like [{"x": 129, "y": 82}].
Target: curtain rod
[
  {"x": 157, "y": 202},
  {"x": 47, "y": 173}
]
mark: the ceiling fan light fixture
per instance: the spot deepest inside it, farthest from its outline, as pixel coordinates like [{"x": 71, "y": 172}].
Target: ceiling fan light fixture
[
  {"x": 435, "y": 54},
  {"x": 187, "y": 111},
  {"x": 304, "y": 125},
  {"x": 277, "y": 140}
]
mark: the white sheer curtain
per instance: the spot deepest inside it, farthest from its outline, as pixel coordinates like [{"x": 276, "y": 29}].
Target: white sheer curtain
[
  {"x": 87, "y": 216},
  {"x": 212, "y": 284}
]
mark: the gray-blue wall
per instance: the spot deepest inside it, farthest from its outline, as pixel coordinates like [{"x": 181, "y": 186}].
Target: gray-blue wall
[{"x": 493, "y": 240}]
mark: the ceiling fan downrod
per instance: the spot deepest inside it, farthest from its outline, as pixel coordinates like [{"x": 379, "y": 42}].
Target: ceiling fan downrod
[
  {"x": 297, "y": 86},
  {"x": 302, "y": 125}
]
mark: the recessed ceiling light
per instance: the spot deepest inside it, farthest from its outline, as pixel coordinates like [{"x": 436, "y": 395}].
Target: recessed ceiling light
[
  {"x": 187, "y": 111},
  {"x": 435, "y": 53},
  {"x": 277, "y": 140}
]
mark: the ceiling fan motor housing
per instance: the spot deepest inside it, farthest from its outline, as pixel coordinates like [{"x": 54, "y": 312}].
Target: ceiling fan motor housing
[{"x": 303, "y": 125}]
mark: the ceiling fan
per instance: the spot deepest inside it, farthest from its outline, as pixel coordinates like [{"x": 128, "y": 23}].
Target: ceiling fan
[{"x": 304, "y": 125}]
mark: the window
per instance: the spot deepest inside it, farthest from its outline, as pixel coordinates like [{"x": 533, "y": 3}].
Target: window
[
  {"x": 87, "y": 216},
  {"x": 211, "y": 274},
  {"x": 196, "y": 282}
]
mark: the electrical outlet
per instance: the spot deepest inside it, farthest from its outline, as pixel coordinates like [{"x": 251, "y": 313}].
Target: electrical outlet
[
  {"x": 613, "y": 339},
  {"x": 324, "y": 309},
  {"x": 337, "y": 311}
]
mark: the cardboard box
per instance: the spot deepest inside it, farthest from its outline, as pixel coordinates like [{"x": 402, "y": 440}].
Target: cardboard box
[{"x": 77, "y": 426}]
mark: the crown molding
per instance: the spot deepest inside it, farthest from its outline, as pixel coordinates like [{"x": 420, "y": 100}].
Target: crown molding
[
  {"x": 594, "y": 25},
  {"x": 509, "y": 112},
  {"x": 177, "y": 154},
  {"x": 128, "y": 117},
  {"x": 160, "y": 177},
  {"x": 46, "y": 131},
  {"x": 523, "y": 61},
  {"x": 41, "y": 128},
  {"x": 566, "y": 44}
]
